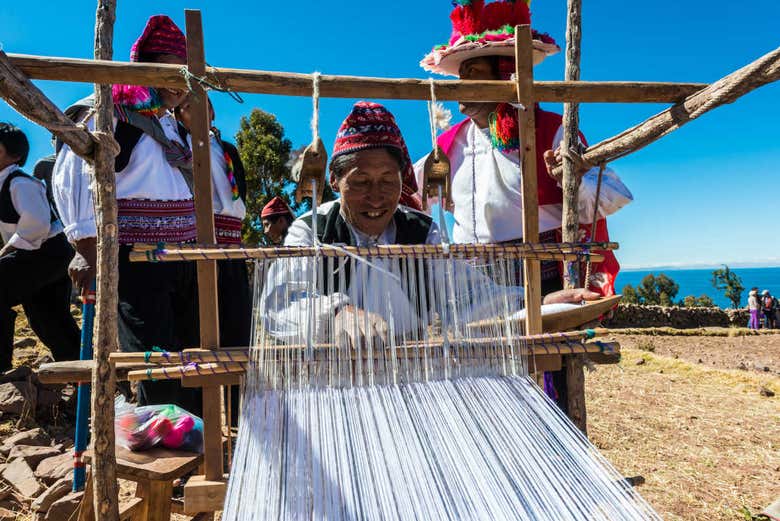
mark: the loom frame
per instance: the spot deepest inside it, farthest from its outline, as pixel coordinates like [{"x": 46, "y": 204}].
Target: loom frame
[{"x": 690, "y": 101}]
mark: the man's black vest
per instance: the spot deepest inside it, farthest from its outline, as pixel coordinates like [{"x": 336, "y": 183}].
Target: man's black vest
[
  {"x": 410, "y": 228},
  {"x": 8, "y": 213}
]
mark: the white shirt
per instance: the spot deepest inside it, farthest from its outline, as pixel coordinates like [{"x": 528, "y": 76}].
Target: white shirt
[
  {"x": 292, "y": 308},
  {"x": 28, "y": 196},
  {"x": 222, "y": 195},
  {"x": 148, "y": 175},
  {"x": 487, "y": 197}
]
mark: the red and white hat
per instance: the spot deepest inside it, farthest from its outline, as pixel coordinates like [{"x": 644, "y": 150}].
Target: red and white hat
[
  {"x": 480, "y": 29},
  {"x": 371, "y": 125},
  {"x": 276, "y": 206}
]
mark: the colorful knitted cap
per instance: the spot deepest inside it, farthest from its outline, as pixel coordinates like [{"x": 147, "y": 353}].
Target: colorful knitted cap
[
  {"x": 480, "y": 29},
  {"x": 276, "y": 206},
  {"x": 160, "y": 36},
  {"x": 371, "y": 125}
]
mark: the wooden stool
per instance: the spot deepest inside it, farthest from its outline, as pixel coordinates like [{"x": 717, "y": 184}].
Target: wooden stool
[{"x": 154, "y": 472}]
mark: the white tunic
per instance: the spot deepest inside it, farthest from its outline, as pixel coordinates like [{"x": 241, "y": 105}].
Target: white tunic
[
  {"x": 148, "y": 175},
  {"x": 486, "y": 190},
  {"x": 28, "y": 196}
]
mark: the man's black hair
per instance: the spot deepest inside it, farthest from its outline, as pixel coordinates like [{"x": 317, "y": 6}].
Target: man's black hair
[
  {"x": 15, "y": 142},
  {"x": 343, "y": 162},
  {"x": 274, "y": 218}
]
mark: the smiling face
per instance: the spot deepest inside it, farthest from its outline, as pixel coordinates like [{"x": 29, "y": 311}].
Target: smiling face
[
  {"x": 370, "y": 187},
  {"x": 170, "y": 98},
  {"x": 477, "y": 69}
]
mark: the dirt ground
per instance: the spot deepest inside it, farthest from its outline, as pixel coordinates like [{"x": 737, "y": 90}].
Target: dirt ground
[
  {"x": 688, "y": 413},
  {"x": 685, "y": 415}
]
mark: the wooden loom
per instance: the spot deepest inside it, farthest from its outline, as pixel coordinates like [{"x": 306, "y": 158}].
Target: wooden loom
[{"x": 206, "y": 493}]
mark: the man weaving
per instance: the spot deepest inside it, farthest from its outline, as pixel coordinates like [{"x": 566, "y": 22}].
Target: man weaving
[{"x": 375, "y": 297}]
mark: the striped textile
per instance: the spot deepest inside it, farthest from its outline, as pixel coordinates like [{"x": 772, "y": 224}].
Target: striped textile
[{"x": 147, "y": 221}]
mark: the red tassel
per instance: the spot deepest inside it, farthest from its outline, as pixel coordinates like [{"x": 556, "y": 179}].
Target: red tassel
[
  {"x": 496, "y": 15},
  {"x": 468, "y": 19},
  {"x": 522, "y": 13}
]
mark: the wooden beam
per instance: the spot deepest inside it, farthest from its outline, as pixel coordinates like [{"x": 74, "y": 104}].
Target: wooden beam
[
  {"x": 524, "y": 72},
  {"x": 204, "y": 215},
  {"x": 761, "y": 72},
  {"x": 294, "y": 84},
  {"x": 571, "y": 125},
  {"x": 24, "y": 97},
  {"x": 574, "y": 365},
  {"x": 105, "y": 487}
]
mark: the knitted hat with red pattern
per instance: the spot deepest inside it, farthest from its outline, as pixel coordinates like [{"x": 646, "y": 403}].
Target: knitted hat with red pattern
[
  {"x": 160, "y": 36},
  {"x": 485, "y": 29},
  {"x": 371, "y": 125},
  {"x": 276, "y": 206}
]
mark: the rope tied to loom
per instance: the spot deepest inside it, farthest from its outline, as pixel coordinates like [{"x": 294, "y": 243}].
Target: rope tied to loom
[{"x": 189, "y": 77}]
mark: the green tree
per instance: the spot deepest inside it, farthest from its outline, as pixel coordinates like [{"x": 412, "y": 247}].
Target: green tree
[
  {"x": 629, "y": 294},
  {"x": 265, "y": 152},
  {"x": 702, "y": 301},
  {"x": 659, "y": 290},
  {"x": 729, "y": 283}
]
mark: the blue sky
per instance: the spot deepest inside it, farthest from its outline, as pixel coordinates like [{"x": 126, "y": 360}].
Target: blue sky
[{"x": 706, "y": 194}]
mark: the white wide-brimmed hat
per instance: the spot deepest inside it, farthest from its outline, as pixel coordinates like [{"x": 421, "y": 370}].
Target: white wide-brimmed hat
[{"x": 480, "y": 29}]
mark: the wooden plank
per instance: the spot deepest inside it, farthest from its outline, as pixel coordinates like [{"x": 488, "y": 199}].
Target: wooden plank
[
  {"x": 212, "y": 380},
  {"x": 78, "y": 371},
  {"x": 153, "y": 464},
  {"x": 581, "y": 316},
  {"x": 294, "y": 84},
  {"x": 129, "y": 511},
  {"x": 104, "y": 486},
  {"x": 156, "y": 505},
  {"x": 570, "y": 182},
  {"x": 524, "y": 72},
  {"x": 24, "y": 97},
  {"x": 761, "y": 72},
  {"x": 575, "y": 364},
  {"x": 201, "y": 495},
  {"x": 204, "y": 214}
]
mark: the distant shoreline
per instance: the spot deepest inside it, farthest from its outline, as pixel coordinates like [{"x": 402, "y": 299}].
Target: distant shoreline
[{"x": 741, "y": 266}]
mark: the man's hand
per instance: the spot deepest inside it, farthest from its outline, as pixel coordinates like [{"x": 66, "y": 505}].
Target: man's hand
[
  {"x": 554, "y": 159},
  {"x": 570, "y": 296},
  {"x": 359, "y": 325},
  {"x": 83, "y": 267}
]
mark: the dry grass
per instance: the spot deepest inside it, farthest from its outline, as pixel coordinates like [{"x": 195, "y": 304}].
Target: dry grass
[{"x": 704, "y": 439}]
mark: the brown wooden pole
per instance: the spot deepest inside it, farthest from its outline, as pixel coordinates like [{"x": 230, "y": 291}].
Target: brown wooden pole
[
  {"x": 104, "y": 484},
  {"x": 527, "y": 122},
  {"x": 573, "y": 364},
  {"x": 207, "y": 269},
  {"x": 295, "y": 84},
  {"x": 761, "y": 72},
  {"x": 21, "y": 94},
  {"x": 571, "y": 123}
]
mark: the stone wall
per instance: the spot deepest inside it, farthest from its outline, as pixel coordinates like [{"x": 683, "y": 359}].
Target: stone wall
[{"x": 634, "y": 315}]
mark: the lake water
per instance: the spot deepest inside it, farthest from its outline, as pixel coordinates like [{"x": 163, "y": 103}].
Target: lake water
[{"x": 698, "y": 282}]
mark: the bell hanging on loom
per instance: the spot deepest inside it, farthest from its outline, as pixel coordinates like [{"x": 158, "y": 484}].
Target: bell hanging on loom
[
  {"x": 310, "y": 166},
  {"x": 436, "y": 178}
]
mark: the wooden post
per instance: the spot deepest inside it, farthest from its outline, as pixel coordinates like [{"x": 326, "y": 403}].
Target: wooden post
[
  {"x": 207, "y": 269},
  {"x": 574, "y": 364},
  {"x": 104, "y": 486},
  {"x": 571, "y": 123},
  {"x": 524, "y": 71}
]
